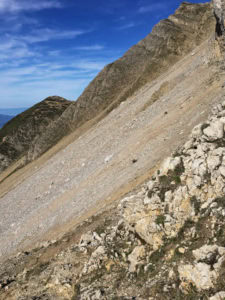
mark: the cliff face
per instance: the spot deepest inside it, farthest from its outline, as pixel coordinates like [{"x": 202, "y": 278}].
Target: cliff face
[
  {"x": 170, "y": 40},
  {"x": 219, "y": 12},
  {"x": 17, "y": 135}
]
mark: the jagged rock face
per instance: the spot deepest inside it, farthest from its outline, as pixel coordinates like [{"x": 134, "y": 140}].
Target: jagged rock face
[
  {"x": 208, "y": 262},
  {"x": 219, "y": 10},
  {"x": 17, "y": 135},
  {"x": 170, "y": 40},
  {"x": 190, "y": 180}
]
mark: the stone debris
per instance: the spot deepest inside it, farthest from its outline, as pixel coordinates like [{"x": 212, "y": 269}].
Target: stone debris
[
  {"x": 218, "y": 296},
  {"x": 166, "y": 238},
  {"x": 205, "y": 271},
  {"x": 136, "y": 257}
]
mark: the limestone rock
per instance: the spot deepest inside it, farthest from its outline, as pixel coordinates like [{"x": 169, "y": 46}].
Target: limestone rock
[
  {"x": 95, "y": 261},
  {"x": 90, "y": 239},
  {"x": 222, "y": 170},
  {"x": 196, "y": 133},
  {"x": 218, "y": 296},
  {"x": 204, "y": 273},
  {"x": 215, "y": 131},
  {"x": 219, "y": 13},
  {"x": 213, "y": 162},
  {"x": 170, "y": 164},
  {"x": 135, "y": 257},
  {"x": 207, "y": 252},
  {"x": 200, "y": 275}
]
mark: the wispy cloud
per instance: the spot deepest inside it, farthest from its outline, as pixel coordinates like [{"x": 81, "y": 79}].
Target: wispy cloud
[
  {"x": 46, "y": 34},
  {"x": 151, "y": 8},
  {"x": 14, "y": 46},
  {"x": 127, "y": 26},
  {"x": 12, "y": 49},
  {"x": 14, "y": 6},
  {"x": 40, "y": 56},
  {"x": 40, "y": 80},
  {"x": 90, "y": 48}
]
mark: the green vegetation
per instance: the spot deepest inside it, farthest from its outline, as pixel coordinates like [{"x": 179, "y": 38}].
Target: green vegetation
[
  {"x": 170, "y": 182},
  {"x": 160, "y": 220},
  {"x": 196, "y": 204}
]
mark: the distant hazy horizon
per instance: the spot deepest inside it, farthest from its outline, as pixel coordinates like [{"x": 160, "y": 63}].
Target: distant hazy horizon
[{"x": 12, "y": 111}]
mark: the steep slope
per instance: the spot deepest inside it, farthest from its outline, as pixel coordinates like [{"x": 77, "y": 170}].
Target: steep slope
[
  {"x": 170, "y": 40},
  {"x": 17, "y": 135},
  {"x": 144, "y": 247},
  {"x": 104, "y": 163},
  {"x": 165, "y": 240}
]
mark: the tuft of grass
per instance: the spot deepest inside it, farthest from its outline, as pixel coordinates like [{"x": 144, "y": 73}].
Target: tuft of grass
[
  {"x": 196, "y": 204},
  {"x": 160, "y": 220}
]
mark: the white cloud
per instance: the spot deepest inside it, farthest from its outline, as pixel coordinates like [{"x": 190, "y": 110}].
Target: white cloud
[
  {"x": 23, "y": 46},
  {"x": 30, "y": 70},
  {"x": 90, "y": 48},
  {"x": 34, "y": 82},
  {"x": 151, "y": 8},
  {"x": 15, "y": 6},
  {"x": 90, "y": 65},
  {"x": 46, "y": 34},
  {"x": 12, "y": 49}
]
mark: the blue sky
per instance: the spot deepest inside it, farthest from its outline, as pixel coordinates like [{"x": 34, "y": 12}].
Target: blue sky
[{"x": 56, "y": 47}]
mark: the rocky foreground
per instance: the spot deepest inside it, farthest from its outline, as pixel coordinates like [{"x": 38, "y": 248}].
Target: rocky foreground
[{"x": 165, "y": 240}]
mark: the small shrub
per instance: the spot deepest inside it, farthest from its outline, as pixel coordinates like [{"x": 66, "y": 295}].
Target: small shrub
[
  {"x": 160, "y": 220},
  {"x": 196, "y": 204}
]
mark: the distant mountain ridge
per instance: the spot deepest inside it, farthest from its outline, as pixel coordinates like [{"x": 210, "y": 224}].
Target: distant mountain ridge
[
  {"x": 17, "y": 134},
  {"x": 12, "y": 111},
  {"x": 4, "y": 119},
  {"x": 6, "y": 114}
]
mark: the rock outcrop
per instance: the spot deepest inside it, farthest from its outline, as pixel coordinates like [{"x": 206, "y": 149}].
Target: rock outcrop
[
  {"x": 17, "y": 135},
  {"x": 219, "y": 11}
]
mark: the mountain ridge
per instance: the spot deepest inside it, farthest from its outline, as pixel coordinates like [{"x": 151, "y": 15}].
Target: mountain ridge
[
  {"x": 17, "y": 134},
  {"x": 111, "y": 87}
]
